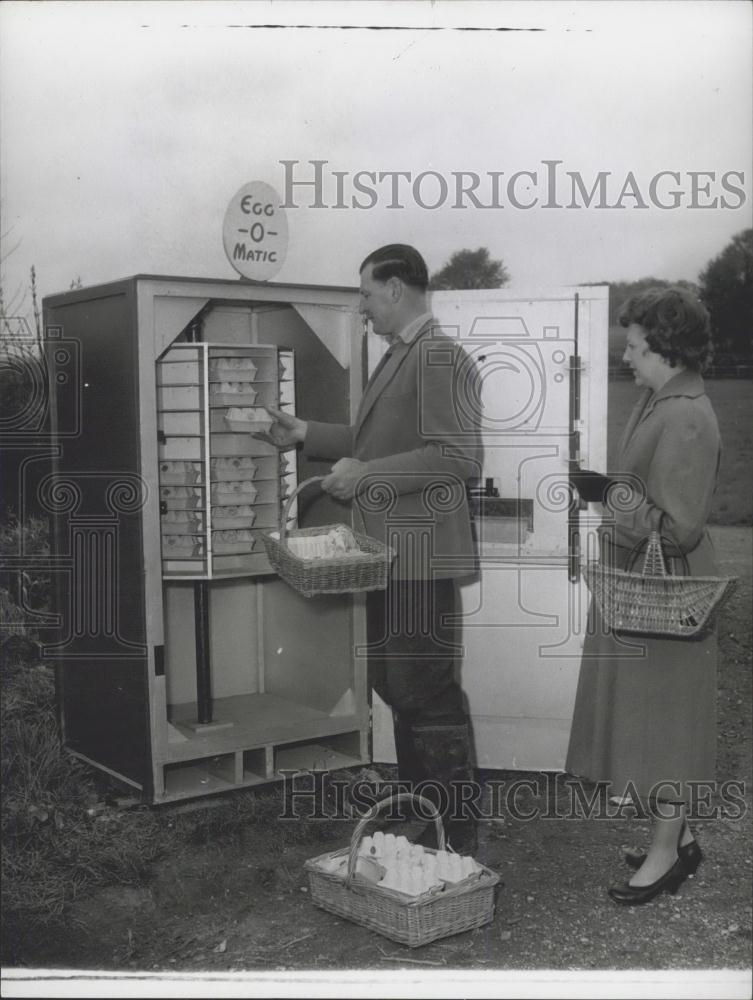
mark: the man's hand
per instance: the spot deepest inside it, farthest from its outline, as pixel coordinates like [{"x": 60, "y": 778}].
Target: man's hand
[
  {"x": 342, "y": 482},
  {"x": 286, "y": 432}
]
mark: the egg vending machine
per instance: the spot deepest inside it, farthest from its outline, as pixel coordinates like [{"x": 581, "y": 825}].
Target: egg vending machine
[{"x": 184, "y": 665}]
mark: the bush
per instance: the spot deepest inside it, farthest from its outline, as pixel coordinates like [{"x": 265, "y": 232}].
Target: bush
[{"x": 24, "y": 593}]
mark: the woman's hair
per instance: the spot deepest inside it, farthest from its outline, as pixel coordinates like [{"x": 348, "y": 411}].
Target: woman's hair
[
  {"x": 398, "y": 260},
  {"x": 675, "y": 323}
]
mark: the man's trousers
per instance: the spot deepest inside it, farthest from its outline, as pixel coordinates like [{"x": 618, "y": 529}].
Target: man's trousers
[{"x": 413, "y": 653}]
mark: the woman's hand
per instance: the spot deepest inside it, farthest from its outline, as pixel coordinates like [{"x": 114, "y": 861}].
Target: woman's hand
[
  {"x": 286, "y": 432},
  {"x": 592, "y": 486}
]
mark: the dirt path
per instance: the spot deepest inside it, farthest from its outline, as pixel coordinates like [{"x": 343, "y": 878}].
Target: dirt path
[{"x": 246, "y": 907}]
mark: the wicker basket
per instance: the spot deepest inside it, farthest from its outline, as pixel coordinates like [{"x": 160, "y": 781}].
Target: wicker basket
[
  {"x": 343, "y": 575},
  {"x": 414, "y": 921},
  {"x": 653, "y": 602}
]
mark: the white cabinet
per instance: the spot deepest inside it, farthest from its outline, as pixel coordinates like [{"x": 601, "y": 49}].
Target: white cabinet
[{"x": 542, "y": 364}]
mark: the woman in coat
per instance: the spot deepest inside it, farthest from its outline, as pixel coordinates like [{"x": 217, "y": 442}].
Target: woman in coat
[{"x": 645, "y": 708}]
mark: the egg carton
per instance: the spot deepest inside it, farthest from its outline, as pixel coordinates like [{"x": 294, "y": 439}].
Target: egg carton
[
  {"x": 232, "y": 369},
  {"x": 231, "y": 394},
  {"x": 248, "y": 420},
  {"x": 233, "y": 493},
  {"x": 177, "y": 473},
  {"x": 231, "y": 468}
]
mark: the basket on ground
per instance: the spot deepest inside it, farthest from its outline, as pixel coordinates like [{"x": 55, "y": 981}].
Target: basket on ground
[
  {"x": 365, "y": 569},
  {"x": 653, "y": 602},
  {"x": 412, "y": 921}
]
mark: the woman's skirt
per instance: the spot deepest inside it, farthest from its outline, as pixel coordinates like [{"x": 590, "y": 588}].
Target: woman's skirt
[{"x": 645, "y": 714}]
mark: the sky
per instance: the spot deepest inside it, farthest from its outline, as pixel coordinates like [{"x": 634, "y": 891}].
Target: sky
[{"x": 126, "y": 130}]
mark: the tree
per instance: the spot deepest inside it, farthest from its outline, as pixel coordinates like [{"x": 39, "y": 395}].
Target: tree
[
  {"x": 620, "y": 292},
  {"x": 37, "y": 313},
  {"x": 470, "y": 269},
  {"x": 9, "y": 305},
  {"x": 726, "y": 289}
]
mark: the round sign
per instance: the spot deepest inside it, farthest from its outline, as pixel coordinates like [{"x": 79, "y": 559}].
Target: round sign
[{"x": 255, "y": 231}]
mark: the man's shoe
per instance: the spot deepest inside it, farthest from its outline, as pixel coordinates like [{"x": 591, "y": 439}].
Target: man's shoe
[
  {"x": 463, "y": 837},
  {"x": 413, "y": 830},
  {"x": 428, "y": 837}
]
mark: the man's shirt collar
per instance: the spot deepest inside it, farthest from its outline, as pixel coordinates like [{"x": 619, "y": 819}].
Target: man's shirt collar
[{"x": 408, "y": 333}]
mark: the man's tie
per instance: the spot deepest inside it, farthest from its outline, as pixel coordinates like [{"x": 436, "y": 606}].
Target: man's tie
[{"x": 382, "y": 362}]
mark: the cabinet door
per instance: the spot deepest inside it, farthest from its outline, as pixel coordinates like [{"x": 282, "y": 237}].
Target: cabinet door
[
  {"x": 522, "y": 618},
  {"x": 96, "y": 496}
]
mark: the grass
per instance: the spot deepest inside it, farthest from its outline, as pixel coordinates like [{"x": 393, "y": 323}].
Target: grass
[
  {"x": 732, "y": 400},
  {"x": 58, "y": 839},
  {"x": 231, "y": 821}
]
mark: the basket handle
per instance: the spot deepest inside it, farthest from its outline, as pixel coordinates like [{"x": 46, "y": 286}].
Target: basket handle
[
  {"x": 289, "y": 503},
  {"x": 654, "y": 563},
  {"x": 355, "y": 840}
]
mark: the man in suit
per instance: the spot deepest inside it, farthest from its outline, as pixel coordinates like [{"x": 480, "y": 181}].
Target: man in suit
[{"x": 405, "y": 463}]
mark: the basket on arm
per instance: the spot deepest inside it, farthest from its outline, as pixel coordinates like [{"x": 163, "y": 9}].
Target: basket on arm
[
  {"x": 448, "y": 908},
  {"x": 653, "y": 602},
  {"x": 364, "y": 568}
]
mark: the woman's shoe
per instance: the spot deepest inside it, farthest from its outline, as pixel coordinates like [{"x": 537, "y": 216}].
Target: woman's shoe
[
  {"x": 634, "y": 895},
  {"x": 690, "y": 854}
]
